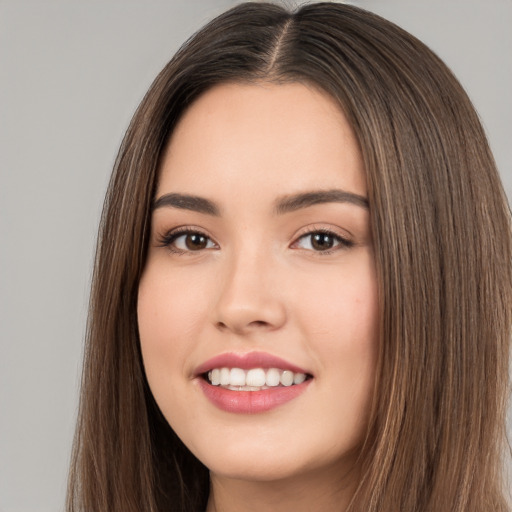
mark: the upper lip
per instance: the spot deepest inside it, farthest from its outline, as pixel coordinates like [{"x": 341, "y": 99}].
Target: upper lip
[{"x": 247, "y": 361}]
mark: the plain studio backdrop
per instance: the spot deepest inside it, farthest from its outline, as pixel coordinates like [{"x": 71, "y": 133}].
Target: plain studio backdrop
[{"x": 71, "y": 76}]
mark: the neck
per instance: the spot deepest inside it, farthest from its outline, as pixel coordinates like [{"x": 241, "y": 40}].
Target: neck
[{"x": 326, "y": 491}]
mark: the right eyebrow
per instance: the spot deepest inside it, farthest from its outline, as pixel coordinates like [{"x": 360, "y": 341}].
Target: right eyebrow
[
  {"x": 296, "y": 202},
  {"x": 187, "y": 202}
]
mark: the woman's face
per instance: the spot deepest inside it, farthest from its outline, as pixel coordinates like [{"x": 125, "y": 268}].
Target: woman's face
[{"x": 257, "y": 307}]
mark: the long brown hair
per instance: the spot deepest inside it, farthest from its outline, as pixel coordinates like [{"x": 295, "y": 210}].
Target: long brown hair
[{"x": 442, "y": 238}]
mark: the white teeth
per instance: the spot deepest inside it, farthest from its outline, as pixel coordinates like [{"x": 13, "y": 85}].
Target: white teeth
[
  {"x": 245, "y": 388},
  {"x": 254, "y": 379},
  {"x": 225, "y": 378},
  {"x": 272, "y": 378},
  {"x": 215, "y": 377},
  {"x": 287, "y": 378},
  {"x": 299, "y": 378},
  {"x": 237, "y": 377}
]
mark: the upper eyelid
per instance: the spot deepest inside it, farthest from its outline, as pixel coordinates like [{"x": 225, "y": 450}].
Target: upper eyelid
[
  {"x": 343, "y": 242},
  {"x": 168, "y": 238},
  {"x": 172, "y": 234},
  {"x": 319, "y": 228},
  {"x": 298, "y": 234},
  {"x": 183, "y": 230},
  {"x": 324, "y": 232}
]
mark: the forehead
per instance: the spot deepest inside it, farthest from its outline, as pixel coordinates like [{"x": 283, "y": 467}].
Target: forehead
[{"x": 282, "y": 137}]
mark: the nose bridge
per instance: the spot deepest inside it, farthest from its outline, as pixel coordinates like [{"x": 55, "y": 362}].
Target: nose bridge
[{"x": 248, "y": 295}]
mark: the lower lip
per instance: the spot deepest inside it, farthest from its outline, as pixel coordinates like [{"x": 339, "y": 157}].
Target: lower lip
[{"x": 251, "y": 402}]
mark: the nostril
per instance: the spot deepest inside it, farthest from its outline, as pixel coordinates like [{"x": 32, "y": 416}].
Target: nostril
[
  {"x": 254, "y": 325},
  {"x": 259, "y": 323},
  {"x": 246, "y": 317}
]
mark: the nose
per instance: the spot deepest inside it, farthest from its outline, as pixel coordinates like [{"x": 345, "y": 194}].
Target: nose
[{"x": 250, "y": 298}]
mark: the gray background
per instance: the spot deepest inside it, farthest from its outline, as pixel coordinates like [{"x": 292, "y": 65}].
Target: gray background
[{"x": 71, "y": 75}]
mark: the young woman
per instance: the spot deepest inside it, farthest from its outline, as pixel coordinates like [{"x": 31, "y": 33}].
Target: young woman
[{"x": 302, "y": 292}]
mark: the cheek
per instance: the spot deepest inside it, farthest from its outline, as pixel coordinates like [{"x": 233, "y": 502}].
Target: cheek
[
  {"x": 341, "y": 307},
  {"x": 169, "y": 302},
  {"x": 340, "y": 317},
  {"x": 168, "y": 317}
]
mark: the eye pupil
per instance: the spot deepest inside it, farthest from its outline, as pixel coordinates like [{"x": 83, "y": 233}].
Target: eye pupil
[
  {"x": 322, "y": 241},
  {"x": 195, "y": 241}
]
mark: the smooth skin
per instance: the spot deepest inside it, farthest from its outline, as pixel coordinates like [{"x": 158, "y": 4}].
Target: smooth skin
[{"x": 299, "y": 284}]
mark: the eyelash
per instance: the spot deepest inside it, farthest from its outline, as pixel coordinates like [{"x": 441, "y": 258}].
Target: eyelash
[
  {"x": 168, "y": 240},
  {"x": 341, "y": 242}
]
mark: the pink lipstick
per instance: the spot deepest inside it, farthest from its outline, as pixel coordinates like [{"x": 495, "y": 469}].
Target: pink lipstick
[
  {"x": 251, "y": 383},
  {"x": 247, "y": 361}
]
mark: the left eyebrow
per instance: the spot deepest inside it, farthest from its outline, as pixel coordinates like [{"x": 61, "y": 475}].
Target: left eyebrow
[
  {"x": 187, "y": 202},
  {"x": 295, "y": 202}
]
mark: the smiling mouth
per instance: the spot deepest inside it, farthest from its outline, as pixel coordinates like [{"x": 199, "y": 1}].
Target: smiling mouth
[{"x": 254, "y": 379}]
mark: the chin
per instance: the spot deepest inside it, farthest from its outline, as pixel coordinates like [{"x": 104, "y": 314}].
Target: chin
[
  {"x": 282, "y": 459},
  {"x": 263, "y": 469}
]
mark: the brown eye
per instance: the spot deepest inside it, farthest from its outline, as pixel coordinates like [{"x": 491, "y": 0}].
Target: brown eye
[
  {"x": 322, "y": 241},
  {"x": 184, "y": 241},
  {"x": 195, "y": 241}
]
